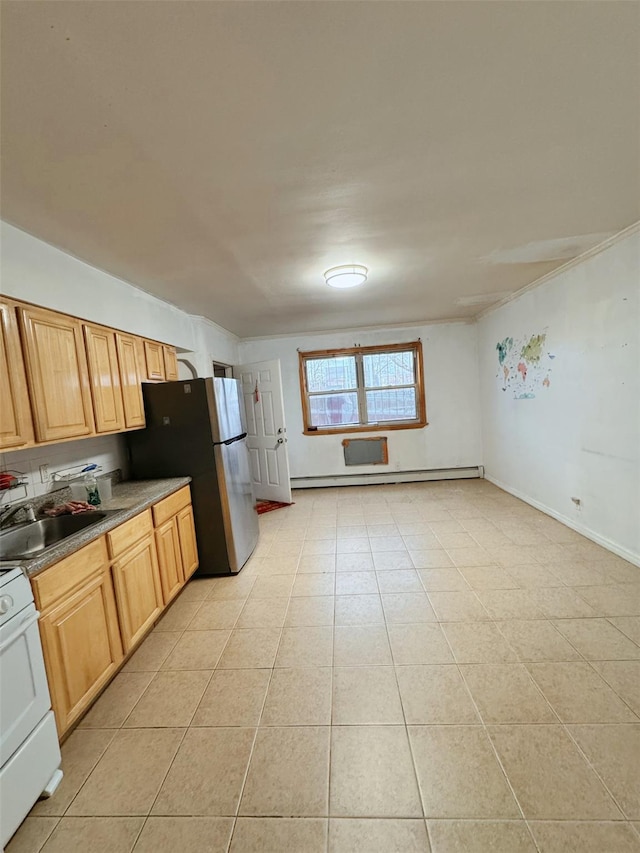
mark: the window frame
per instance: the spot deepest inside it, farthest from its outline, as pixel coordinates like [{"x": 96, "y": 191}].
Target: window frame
[{"x": 419, "y": 423}]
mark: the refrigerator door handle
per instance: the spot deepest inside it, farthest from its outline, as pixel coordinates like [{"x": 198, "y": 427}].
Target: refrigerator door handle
[{"x": 231, "y": 440}]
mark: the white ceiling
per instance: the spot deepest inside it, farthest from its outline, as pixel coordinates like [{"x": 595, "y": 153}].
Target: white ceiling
[{"x": 221, "y": 155}]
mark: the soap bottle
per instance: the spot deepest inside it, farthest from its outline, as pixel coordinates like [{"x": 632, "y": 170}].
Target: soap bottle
[{"x": 91, "y": 485}]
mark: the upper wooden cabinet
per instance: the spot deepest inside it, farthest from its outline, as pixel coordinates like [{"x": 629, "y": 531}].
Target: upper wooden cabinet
[
  {"x": 16, "y": 426},
  {"x": 154, "y": 361},
  {"x": 130, "y": 380},
  {"x": 57, "y": 371},
  {"x": 104, "y": 375},
  {"x": 170, "y": 364}
]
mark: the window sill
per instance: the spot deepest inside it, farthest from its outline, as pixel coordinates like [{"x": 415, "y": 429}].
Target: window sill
[{"x": 342, "y": 430}]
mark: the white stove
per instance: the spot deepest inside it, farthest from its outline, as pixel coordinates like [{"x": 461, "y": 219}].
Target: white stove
[{"x": 29, "y": 751}]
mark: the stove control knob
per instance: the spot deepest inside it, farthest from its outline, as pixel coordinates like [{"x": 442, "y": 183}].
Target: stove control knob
[{"x": 6, "y": 603}]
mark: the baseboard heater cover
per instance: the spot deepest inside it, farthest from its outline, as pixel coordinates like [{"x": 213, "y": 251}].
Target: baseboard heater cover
[{"x": 387, "y": 477}]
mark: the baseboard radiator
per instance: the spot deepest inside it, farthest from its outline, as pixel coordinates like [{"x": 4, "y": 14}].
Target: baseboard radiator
[{"x": 387, "y": 477}]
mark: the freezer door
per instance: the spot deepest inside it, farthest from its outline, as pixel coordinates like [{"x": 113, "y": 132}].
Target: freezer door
[
  {"x": 238, "y": 505},
  {"x": 228, "y": 412}
]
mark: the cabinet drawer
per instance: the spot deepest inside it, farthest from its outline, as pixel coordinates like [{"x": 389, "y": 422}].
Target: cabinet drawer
[
  {"x": 57, "y": 581},
  {"x": 127, "y": 534},
  {"x": 168, "y": 507}
]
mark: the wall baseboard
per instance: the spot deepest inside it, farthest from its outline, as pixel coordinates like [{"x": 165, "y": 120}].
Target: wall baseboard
[
  {"x": 387, "y": 477},
  {"x": 625, "y": 553}
]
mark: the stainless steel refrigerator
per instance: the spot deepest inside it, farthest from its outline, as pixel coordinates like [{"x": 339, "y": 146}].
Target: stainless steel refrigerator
[{"x": 196, "y": 428}]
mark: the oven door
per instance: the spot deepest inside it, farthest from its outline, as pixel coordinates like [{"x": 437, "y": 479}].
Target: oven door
[{"x": 24, "y": 692}]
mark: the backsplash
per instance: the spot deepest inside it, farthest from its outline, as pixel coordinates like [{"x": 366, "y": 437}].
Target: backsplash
[{"x": 108, "y": 451}]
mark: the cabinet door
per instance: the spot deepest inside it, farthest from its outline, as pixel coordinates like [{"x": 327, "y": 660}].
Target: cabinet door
[
  {"x": 57, "y": 370},
  {"x": 104, "y": 375},
  {"x": 130, "y": 381},
  {"x": 82, "y": 648},
  {"x": 188, "y": 545},
  {"x": 16, "y": 426},
  {"x": 154, "y": 358},
  {"x": 138, "y": 591},
  {"x": 170, "y": 364},
  {"x": 169, "y": 559}
]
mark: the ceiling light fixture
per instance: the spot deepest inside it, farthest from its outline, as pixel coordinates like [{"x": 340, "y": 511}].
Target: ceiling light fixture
[{"x": 347, "y": 275}]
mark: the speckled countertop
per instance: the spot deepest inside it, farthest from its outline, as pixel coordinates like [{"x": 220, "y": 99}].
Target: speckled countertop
[{"x": 128, "y": 499}]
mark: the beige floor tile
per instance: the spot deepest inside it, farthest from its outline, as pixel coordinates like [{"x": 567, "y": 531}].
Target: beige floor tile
[
  {"x": 505, "y": 693},
  {"x": 277, "y": 565},
  {"x": 354, "y": 563},
  {"x": 234, "y": 697},
  {"x": 97, "y": 834},
  {"x": 432, "y": 558},
  {"x": 579, "y": 695},
  {"x": 310, "y": 611},
  {"x": 356, "y": 583},
  {"x": 319, "y": 546},
  {"x": 276, "y": 835},
  {"x": 435, "y": 694},
  {"x": 419, "y": 644},
  {"x": 471, "y": 557},
  {"x": 358, "y": 610},
  {"x": 366, "y": 695},
  {"x": 354, "y": 531},
  {"x": 298, "y": 697},
  {"x": 598, "y": 639},
  {"x": 403, "y": 580},
  {"x": 276, "y": 586},
  {"x": 317, "y": 564},
  {"x": 314, "y": 584},
  {"x": 305, "y": 647},
  {"x": 534, "y": 576},
  {"x": 170, "y": 700},
  {"x": 513, "y": 555},
  {"x": 361, "y": 646},
  {"x": 488, "y": 577},
  {"x": 417, "y": 528},
  {"x": 614, "y": 751},
  {"x": 178, "y": 615},
  {"x": 380, "y": 544},
  {"x": 459, "y": 774},
  {"x": 389, "y": 529},
  {"x": 470, "y": 836},
  {"x": 629, "y": 625},
  {"x": 452, "y": 525},
  {"x": 197, "y": 650},
  {"x": 574, "y": 573},
  {"x": 619, "y": 600},
  {"x": 429, "y": 541},
  {"x": 457, "y": 606},
  {"x": 456, "y": 540},
  {"x": 216, "y": 615},
  {"x": 236, "y": 587},
  {"x": 561, "y": 603},
  {"x": 589, "y": 837},
  {"x": 392, "y": 561},
  {"x": 442, "y": 580},
  {"x": 275, "y": 785},
  {"x": 624, "y": 677},
  {"x": 31, "y": 835},
  {"x": 207, "y": 774},
  {"x": 190, "y": 834},
  {"x": 147, "y": 755},
  {"x": 80, "y": 753},
  {"x": 510, "y": 603},
  {"x": 117, "y": 701},
  {"x": 478, "y": 642},
  {"x": 353, "y": 546},
  {"x": 263, "y": 613},
  {"x": 250, "y": 648},
  {"x": 372, "y": 773},
  {"x": 537, "y": 640},
  {"x": 152, "y": 652},
  {"x": 377, "y": 836},
  {"x": 407, "y": 607},
  {"x": 551, "y": 779}
]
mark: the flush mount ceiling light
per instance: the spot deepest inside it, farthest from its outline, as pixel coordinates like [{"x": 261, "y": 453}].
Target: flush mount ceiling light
[{"x": 347, "y": 275}]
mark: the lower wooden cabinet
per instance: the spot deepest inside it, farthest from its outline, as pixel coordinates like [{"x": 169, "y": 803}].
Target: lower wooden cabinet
[
  {"x": 188, "y": 546},
  {"x": 136, "y": 577},
  {"x": 169, "y": 559}
]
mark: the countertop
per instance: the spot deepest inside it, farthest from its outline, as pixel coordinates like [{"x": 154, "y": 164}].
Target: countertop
[{"x": 128, "y": 499}]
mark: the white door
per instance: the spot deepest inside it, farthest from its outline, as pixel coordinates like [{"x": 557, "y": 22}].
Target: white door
[{"x": 266, "y": 429}]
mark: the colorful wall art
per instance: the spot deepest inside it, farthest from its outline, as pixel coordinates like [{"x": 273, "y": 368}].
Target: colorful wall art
[{"x": 524, "y": 365}]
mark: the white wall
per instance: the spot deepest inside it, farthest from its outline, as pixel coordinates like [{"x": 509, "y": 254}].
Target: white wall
[
  {"x": 580, "y": 436},
  {"x": 452, "y": 438}
]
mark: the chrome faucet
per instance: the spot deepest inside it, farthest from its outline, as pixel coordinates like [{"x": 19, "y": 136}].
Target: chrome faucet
[{"x": 12, "y": 510}]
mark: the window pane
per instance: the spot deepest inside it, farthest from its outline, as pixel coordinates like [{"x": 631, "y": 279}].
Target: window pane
[
  {"x": 330, "y": 409},
  {"x": 388, "y": 368},
  {"x": 331, "y": 374},
  {"x": 394, "y": 405}
]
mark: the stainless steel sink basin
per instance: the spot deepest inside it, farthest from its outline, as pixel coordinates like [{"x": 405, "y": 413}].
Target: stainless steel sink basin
[{"x": 27, "y": 540}]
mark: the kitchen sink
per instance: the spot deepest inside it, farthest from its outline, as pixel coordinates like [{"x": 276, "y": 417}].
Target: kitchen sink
[{"x": 26, "y": 541}]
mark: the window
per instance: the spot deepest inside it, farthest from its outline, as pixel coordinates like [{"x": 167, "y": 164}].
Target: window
[{"x": 362, "y": 389}]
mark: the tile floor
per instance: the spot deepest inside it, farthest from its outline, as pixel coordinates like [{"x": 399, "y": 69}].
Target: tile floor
[{"x": 430, "y": 667}]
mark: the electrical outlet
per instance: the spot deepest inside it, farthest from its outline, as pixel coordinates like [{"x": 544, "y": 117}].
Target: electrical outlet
[{"x": 45, "y": 477}]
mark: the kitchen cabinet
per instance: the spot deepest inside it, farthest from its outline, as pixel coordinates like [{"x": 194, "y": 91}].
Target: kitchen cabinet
[
  {"x": 175, "y": 513},
  {"x": 104, "y": 375},
  {"x": 188, "y": 545},
  {"x": 16, "y": 425},
  {"x": 79, "y": 630},
  {"x": 154, "y": 361},
  {"x": 57, "y": 373},
  {"x": 170, "y": 364},
  {"x": 130, "y": 380},
  {"x": 169, "y": 559}
]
